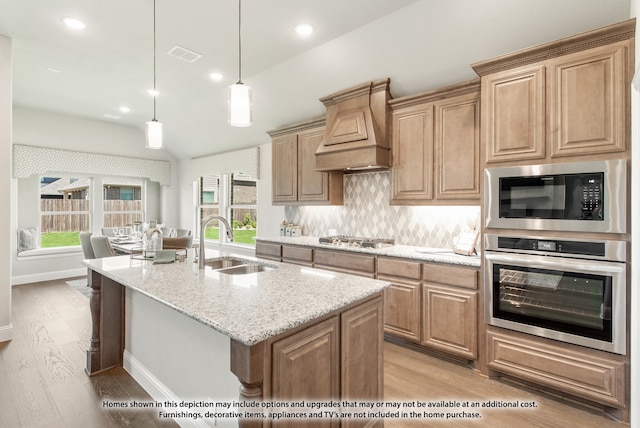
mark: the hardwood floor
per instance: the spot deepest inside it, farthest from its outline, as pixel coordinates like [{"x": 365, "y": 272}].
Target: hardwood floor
[
  {"x": 43, "y": 384},
  {"x": 42, "y": 379}
]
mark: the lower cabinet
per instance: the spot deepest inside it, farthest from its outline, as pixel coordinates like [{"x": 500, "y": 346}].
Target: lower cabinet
[
  {"x": 584, "y": 373},
  {"x": 345, "y": 262},
  {"x": 403, "y": 299},
  {"x": 338, "y": 358},
  {"x": 268, "y": 250},
  {"x": 297, "y": 255},
  {"x": 450, "y": 320},
  {"x": 450, "y": 309}
]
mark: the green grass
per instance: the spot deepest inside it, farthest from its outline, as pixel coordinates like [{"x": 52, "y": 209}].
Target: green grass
[
  {"x": 67, "y": 239},
  {"x": 240, "y": 236},
  {"x": 59, "y": 239}
]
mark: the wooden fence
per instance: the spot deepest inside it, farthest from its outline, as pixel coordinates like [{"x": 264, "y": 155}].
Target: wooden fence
[{"x": 73, "y": 215}]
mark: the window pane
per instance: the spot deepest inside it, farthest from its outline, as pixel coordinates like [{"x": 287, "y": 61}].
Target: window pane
[
  {"x": 64, "y": 210},
  {"x": 122, "y": 204},
  {"x": 211, "y": 231},
  {"x": 209, "y": 190},
  {"x": 244, "y": 213},
  {"x": 244, "y": 225}
]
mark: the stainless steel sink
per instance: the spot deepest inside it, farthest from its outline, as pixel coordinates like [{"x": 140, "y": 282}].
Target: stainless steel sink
[
  {"x": 224, "y": 262},
  {"x": 245, "y": 269},
  {"x": 236, "y": 266}
]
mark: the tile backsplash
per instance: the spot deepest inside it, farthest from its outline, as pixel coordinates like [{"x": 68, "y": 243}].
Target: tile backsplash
[{"x": 366, "y": 212}]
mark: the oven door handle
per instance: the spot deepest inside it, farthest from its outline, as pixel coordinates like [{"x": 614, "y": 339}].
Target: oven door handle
[{"x": 557, "y": 263}]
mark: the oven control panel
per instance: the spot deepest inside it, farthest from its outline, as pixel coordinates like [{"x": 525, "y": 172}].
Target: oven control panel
[{"x": 590, "y": 248}]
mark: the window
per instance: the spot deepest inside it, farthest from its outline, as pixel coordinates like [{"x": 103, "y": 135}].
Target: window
[
  {"x": 122, "y": 203},
  {"x": 234, "y": 197},
  {"x": 64, "y": 210}
]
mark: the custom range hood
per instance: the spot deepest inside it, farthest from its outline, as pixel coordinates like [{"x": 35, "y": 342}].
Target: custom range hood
[{"x": 356, "y": 129}]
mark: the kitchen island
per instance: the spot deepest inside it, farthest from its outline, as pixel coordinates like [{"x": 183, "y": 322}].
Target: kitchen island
[{"x": 293, "y": 333}]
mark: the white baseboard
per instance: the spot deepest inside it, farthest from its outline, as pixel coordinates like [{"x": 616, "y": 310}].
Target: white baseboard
[
  {"x": 6, "y": 333},
  {"x": 156, "y": 389},
  {"x": 48, "y": 276}
]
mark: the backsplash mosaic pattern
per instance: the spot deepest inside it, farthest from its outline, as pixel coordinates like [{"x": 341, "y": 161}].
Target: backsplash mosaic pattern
[{"x": 366, "y": 212}]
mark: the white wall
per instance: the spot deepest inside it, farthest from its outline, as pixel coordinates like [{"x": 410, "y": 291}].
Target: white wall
[{"x": 6, "y": 330}]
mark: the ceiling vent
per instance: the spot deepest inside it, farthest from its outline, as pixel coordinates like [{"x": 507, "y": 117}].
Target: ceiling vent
[{"x": 183, "y": 54}]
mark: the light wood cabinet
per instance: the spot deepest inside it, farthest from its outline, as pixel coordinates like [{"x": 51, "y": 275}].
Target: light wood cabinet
[
  {"x": 298, "y": 255},
  {"x": 268, "y": 250},
  {"x": 345, "y": 262},
  {"x": 317, "y": 347},
  {"x": 403, "y": 299},
  {"x": 513, "y": 109},
  {"x": 588, "y": 100},
  {"x": 562, "y": 99},
  {"x": 450, "y": 310},
  {"x": 436, "y": 147},
  {"x": 573, "y": 370},
  {"x": 295, "y": 179}
]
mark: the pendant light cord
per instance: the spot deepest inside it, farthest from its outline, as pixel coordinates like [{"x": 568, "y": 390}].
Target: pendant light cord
[
  {"x": 155, "y": 92},
  {"x": 239, "y": 42}
]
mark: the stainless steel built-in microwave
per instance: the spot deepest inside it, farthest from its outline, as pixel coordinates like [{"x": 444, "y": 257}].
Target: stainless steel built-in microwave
[{"x": 579, "y": 196}]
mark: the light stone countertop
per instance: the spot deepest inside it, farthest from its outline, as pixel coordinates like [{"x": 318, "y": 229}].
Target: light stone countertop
[
  {"x": 435, "y": 255},
  {"x": 249, "y": 308}
]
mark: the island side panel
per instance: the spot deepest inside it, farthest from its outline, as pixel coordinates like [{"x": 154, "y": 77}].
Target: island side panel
[{"x": 107, "y": 317}]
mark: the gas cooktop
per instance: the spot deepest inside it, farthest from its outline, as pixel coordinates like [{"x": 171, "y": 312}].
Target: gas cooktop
[{"x": 354, "y": 241}]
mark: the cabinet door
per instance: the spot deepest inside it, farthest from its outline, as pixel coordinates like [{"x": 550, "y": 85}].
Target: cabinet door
[
  {"x": 316, "y": 347},
  {"x": 362, "y": 361},
  {"x": 513, "y": 114},
  {"x": 412, "y": 148},
  {"x": 312, "y": 185},
  {"x": 285, "y": 168},
  {"x": 450, "y": 320},
  {"x": 588, "y": 101},
  {"x": 457, "y": 148},
  {"x": 402, "y": 308}
]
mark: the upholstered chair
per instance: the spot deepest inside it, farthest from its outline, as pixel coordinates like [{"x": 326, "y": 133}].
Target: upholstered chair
[
  {"x": 102, "y": 247},
  {"x": 85, "y": 243}
]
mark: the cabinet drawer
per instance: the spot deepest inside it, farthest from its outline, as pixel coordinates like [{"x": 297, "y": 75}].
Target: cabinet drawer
[
  {"x": 579, "y": 373},
  {"x": 292, "y": 252},
  {"x": 345, "y": 261},
  {"x": 398, "y": 267},
  {"x": 268, "y": 250},
  {"x": 460, "y": 276}
]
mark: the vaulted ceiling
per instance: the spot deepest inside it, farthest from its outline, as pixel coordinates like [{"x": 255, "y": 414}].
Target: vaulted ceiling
[{"x": 419, "y": 44}]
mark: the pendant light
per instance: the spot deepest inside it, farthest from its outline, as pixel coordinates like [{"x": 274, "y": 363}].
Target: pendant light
[
  {"x": 239, "y": 93},
  {"x": 154, "y": 128}
]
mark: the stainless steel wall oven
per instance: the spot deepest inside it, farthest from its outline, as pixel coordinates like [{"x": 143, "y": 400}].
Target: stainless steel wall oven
[{"x": 564, "y": 289}]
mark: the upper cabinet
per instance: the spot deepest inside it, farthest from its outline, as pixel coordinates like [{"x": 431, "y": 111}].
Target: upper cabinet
[
  {"x": 295, "y": 179},
  {"x": 563, "y": 99},
  {"x": 436, "y": 147}
]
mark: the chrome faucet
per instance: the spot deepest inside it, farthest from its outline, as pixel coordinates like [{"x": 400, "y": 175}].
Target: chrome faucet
[{"x": 205, "y": 221}]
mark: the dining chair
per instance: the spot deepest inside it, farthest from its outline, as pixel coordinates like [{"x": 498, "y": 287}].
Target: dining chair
[
  {"x": 168, "y": 232},
  {"x": 109, "y": 231},
  {"x": 85, "y": 243},
  {"x": 182, "y": 233},
  {"x": 181, "y": 243},
  {"x": 102, "y": 247}
]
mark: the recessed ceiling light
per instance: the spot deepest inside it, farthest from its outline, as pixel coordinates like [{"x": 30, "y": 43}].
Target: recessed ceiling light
[
  {"x": 125, "y": 109},
  {"x": 153, "y": 92},
  {"x": 216, "y": 76},
  {"x": 74, "y": 23},
  {"x": 304, "y": 30},
  {"x": 53, "y": 70},
  {"x": 111, "y": 116}
]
